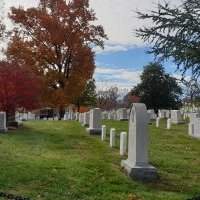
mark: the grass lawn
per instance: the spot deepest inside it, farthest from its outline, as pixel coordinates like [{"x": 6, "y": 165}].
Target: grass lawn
[{"x": 52, "y": 160}]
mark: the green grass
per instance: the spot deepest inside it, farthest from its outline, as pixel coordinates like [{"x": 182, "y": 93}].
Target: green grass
[{"x": 52, "y": 160}]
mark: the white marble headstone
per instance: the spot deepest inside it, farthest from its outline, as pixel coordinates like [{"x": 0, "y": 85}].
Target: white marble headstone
[
  {"x": 137, "y": 165},
  {"x": 123, "y": 143},
  {"x": 176, "y": 117},
  {"x": 95, "y": 121},
  {"x": 112, "y": 137},
  {"x": 86, "y": 118}
]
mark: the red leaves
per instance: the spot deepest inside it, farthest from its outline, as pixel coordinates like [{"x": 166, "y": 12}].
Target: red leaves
[{"x": 19, "y": 87}]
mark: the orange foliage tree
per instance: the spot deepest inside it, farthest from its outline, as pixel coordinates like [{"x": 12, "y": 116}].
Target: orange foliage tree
[{"x": 56, "y": 39}]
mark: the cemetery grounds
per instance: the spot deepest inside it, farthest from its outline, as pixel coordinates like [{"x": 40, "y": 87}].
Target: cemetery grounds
[{"x": 58, "y": 160}]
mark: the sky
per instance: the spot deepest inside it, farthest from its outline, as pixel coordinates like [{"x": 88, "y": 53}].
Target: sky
[{"x": 121, "y": 62}]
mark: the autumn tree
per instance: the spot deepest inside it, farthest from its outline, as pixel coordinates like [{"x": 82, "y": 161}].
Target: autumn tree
[
  {"x": 174, "y": 33},
  {"x": 158, "y": 90},
  {"x": 19, "y": 88},
  {"x": 56, "y": 39}
]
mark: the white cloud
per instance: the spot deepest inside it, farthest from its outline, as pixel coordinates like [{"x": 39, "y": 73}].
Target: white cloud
[
  {"x": 112, "y": 47},
  {"x": 117, "y": 16},
  {"x": 24, "y": 3},
  {"x": 120, "y": 20},
  {"x": 121, "y": 77}
]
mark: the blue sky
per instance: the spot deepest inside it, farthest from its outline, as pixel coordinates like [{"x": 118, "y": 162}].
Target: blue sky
[
  {"x": 121, "y": 62},
  {"x": 123, "y": 68}
]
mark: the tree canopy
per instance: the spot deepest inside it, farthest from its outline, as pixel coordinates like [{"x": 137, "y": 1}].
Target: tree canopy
[
  {"x": 56, "y": 40},
  {"x": 174, "y": 33},
  {"x": 19, "y": 88},
  {"x": 158, "y": 90},
  {"x": 108, "y": 99}
]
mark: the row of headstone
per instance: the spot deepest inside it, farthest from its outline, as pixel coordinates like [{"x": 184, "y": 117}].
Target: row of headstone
[
  {"x": 137, "y": 165},
  {"x": 121, "y": 114},
  {"x": 151, "y": 115},
  {"x": 123, "y": 139},
  {"x": 178, "y": 117},
  {"x": 175, "y": 118},
  {"x": 163, "y": 114},
  {"x": 69, "y": 116},
  {"x": 24, "y": 116},
  {"x": 190, "y": 108}
]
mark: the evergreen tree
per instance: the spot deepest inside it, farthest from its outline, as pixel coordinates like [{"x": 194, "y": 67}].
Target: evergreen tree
[
  {"x": 174, "y": 33},
  {"x": 88, "y": 96},
  {"x": 158, "y": 90}
]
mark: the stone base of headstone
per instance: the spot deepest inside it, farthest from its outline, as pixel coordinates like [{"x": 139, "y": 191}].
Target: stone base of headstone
[
  {"x": 84, "y": 125},
  {"x": 123, "y": 120},
  {"x": 3, "y": 130},
  {"x": 141, "y": 173},
  {"x": 95, "y": 131}
]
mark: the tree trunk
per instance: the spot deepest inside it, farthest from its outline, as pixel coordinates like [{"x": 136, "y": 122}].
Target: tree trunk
[
  {"x": 61, "y": 112},
  {"x": 78, "y": 106},
  {"x": 10, "y": 116}
]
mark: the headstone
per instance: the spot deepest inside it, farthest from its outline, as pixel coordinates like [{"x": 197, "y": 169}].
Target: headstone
[
  {"x": 86, "y": 119},
  {"x": 169, "y": 124},
  {"x": 110, "y": 116},
  {"x": 123, "y": 143},
  {"x": 137, "y": 166},
  {"x": 112, "y": 137},
  {"x": 3, "y": 127},
  {"x": 152, "y": 114},
  {"x": 114, "y": 113},
  {"x": 77, "y": 116},
  {"x": 157, "y": 122},
  {"x": 184, "y": 116},
  {"x": 81, "y": 118},
  {"x": 122, "y": 114},
  {"x": 103, "y": 133},
  {"x": 95, "y": 121},
  {"x": 70, "y": 115},
  {"x": 194, "y": 127},
  {"x": 65, "y": 116},
  {"x": 104, "y": 115},
  {"x": 176, "y": 117},
  {"x": 193, "y": 116},
  {"x": 31, "y": 116},
  {"x": 55, "y": 118}
]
